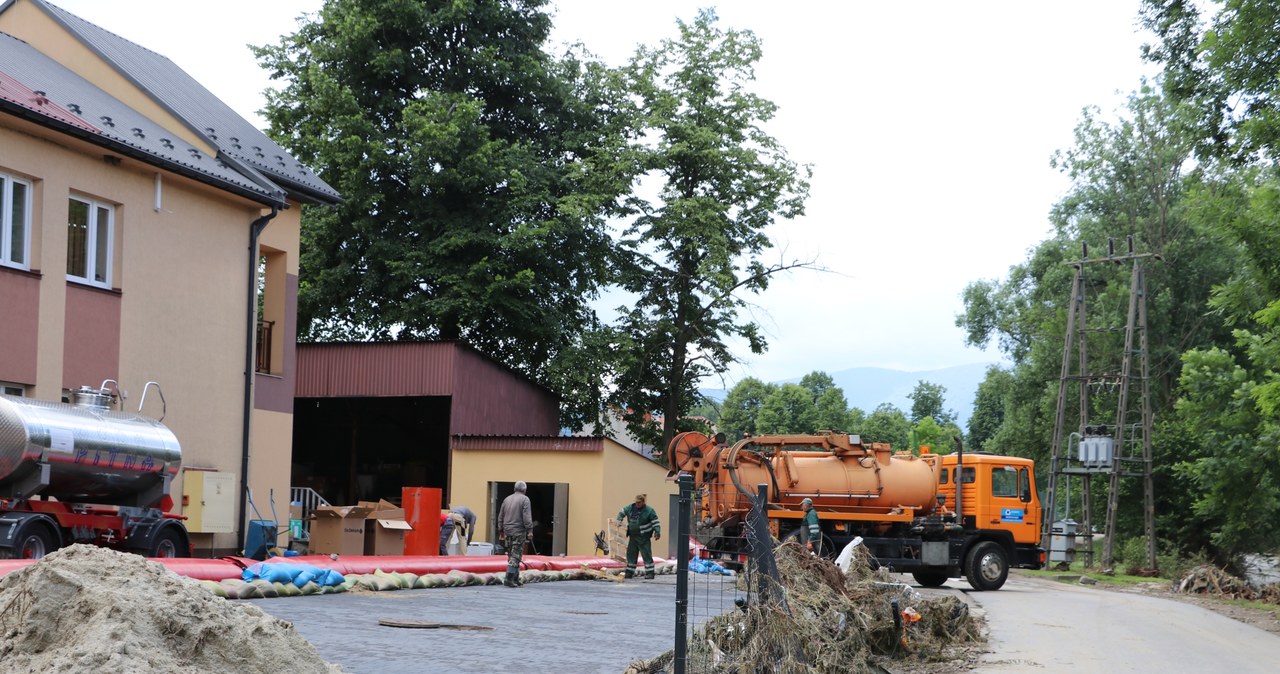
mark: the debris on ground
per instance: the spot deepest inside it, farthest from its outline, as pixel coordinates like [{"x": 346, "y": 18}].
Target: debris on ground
[
  {"x": 829, "y": 621},
  {"x": 1211, "y": 580},
  {"x": 90, "y": 610}
]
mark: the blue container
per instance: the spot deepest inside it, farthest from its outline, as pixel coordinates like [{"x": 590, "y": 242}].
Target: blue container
[{"x": 260, "y": 536}]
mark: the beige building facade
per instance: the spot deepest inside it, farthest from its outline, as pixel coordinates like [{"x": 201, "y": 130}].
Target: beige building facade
[{"x": 129, "y": 221}]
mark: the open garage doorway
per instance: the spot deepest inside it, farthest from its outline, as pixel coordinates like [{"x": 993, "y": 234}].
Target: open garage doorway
[
  {"x": 549, "y": 503},
  {"x": 366, "y": 449}
]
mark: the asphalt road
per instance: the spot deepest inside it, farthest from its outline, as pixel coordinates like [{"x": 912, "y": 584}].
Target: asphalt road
[
  {"x": 1041, "y": 625},
  {"x": 560, "y": 627}
]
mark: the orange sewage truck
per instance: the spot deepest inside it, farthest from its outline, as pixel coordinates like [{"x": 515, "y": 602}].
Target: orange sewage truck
[{"x": 903, "y": 507}]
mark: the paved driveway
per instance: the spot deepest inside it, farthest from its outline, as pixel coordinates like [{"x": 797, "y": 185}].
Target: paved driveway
[{"x": 561, "y": 627}]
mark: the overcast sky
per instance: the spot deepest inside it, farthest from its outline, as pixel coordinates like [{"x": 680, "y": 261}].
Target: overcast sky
[{"x": 929, "y": 126}]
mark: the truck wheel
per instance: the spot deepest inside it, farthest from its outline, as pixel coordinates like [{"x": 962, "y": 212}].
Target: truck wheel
[
  {"x": 930, "y": 578},
  {"x": 167, "y": 544},
  {"x": 986, "y": 566},
  {"x": 34, "y": 542}
]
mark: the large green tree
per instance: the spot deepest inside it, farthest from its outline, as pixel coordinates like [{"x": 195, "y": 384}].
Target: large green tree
[
  {"x": 741, "y": 408},
  {"x": 698, "y": 247},
  {"x": 477, "y": 173},
  {"x": 1222, "y": 58},
  {"x": 1130, "y": 177},
  {"x": 929, "y": 400},
  {"x": 789, "y": 409},
  {"x": 888, "y": 424},
  {"x": 831, "y": 407},
  {"x": 989, "y": 408}
]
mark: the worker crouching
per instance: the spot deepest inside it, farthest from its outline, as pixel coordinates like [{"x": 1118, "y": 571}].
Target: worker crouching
[{"x": 642, "y": 524}]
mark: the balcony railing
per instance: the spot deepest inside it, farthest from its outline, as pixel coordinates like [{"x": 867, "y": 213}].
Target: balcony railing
[{"x": 263, "y": 347}]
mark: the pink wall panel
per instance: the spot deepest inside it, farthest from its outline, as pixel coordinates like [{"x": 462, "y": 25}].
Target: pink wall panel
[
  {"x": 19, "y": 325},
  {"x": 91, "y": 352}
]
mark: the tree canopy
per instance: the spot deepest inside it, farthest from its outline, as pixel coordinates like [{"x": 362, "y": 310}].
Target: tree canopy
[
  {"x": 477, "y": 173},
  {"x": 1188, "y": 170},
  {"x": 699, "y": 246}
]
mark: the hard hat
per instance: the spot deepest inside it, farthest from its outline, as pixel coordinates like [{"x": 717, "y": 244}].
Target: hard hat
[{"x": 807, "y": 501}]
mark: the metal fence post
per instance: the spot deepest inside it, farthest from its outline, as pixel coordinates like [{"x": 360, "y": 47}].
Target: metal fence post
[{"x": 682, "y": 572}]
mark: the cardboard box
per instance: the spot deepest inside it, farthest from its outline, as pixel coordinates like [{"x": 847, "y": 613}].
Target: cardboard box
[
  {"x": 338, "y": 529},
  {"x": 384, "y": 528},
  {"x": 376, "y": 506},
  {"x": 385, "y": 536}
]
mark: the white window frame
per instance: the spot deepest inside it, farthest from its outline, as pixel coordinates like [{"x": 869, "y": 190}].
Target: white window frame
[
  {"x": 7, "y": 253},
  {"x": 93, "y": 244},
  {"x": 11, "y": 389}
]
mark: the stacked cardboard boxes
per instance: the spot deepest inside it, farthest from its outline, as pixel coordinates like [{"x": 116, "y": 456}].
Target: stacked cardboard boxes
[{"x": 367, "y": 528}]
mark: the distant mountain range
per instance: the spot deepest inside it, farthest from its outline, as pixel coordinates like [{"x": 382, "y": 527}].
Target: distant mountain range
[{"x": 868, "y": 387}]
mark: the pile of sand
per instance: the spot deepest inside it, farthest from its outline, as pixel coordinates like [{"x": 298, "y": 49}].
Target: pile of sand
[{"x": 89, "y": 610}]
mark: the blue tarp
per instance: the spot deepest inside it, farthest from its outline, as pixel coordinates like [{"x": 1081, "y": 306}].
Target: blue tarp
[
  {"x": 708, "y": 566},
  {"x": 298, "y": 574}
]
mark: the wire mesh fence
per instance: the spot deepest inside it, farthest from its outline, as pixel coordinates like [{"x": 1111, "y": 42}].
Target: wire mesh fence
[{"x": 726, "y": 573}]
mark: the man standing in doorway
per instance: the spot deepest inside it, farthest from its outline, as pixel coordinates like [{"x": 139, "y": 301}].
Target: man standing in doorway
[
  {"x": 642, "y": 522},
  {"x": 810, "y": 530},
  {"x": 515, "y": 527}
]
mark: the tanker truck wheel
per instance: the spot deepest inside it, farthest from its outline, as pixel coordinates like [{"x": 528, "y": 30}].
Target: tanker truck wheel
[
  {"x": 34, "y": 542},
  {"x": 930, "y": 578},
  {"x": 986, "y": 566},
  {"x": 168, "y": 544}
]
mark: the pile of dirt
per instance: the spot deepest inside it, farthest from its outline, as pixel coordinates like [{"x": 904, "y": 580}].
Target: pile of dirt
[
  {"x": 89, "y": 610},
  {"x": 821, "y": 619}
]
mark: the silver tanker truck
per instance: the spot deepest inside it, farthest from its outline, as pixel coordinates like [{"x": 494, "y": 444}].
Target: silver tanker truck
[{"x": 81, "y": 472}]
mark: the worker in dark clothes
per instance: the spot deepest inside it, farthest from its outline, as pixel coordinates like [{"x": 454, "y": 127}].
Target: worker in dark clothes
[
  {"x": 515, "y": 528},
  {"x": 810, "y": 531},
  {"x": 468, "y": 521},
  {"x": 642, "y": 522}
]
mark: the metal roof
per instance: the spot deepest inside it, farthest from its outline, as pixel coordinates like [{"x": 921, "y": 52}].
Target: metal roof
[
  {"x": 35, "y": 86},
  {"x": 486, "y": 396},
  {"x": 204, "y": 113},
  {"x": 527, "y": 443}
]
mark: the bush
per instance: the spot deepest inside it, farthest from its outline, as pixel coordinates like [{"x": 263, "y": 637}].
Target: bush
[{"x": 1170, "y": 562}]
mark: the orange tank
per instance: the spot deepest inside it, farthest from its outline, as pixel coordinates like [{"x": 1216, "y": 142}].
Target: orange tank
[{"x": 836, "y": 470}]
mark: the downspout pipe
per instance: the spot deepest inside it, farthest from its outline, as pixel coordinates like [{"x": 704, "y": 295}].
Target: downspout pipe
[{"x": 251, "y": 328}]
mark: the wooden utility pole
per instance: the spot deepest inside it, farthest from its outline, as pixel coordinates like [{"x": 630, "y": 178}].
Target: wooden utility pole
[{"x": 1124, "y": 449}]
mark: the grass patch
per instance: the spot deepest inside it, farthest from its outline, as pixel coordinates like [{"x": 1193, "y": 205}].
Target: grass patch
[
  {"x": 1077, "y": 569},
  {"x": 1256, "y": 605}
]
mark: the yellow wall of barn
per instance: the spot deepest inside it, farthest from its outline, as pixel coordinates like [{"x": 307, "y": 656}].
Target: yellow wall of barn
[
  {"x": 600, "y": 483},
  {"x": 473, "y": 470},
  {"x": 628, "y": 474}
]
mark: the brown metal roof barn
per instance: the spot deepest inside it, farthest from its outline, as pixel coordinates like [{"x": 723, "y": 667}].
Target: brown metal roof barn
[{"x": 373, "y": 417}]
